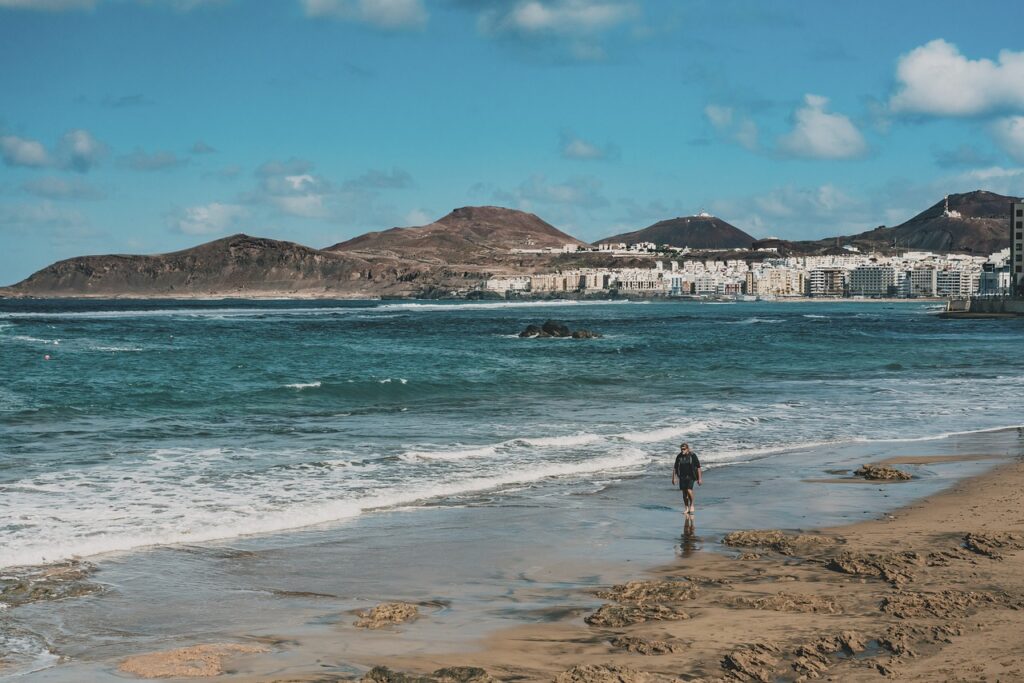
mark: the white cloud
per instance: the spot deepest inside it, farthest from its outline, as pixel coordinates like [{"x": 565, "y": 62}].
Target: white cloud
[
  {"x": 799, "y": 212},
  {"x": 1009, "y": 133},
  {"x": 79, "y": 150},
  {"x": 577, "y": 148},
  {"x": 396, "y": 179},
  {"x": 936, "y": 79},
  {"x": 209, "y": 219},
  {"x": 737, "y": 127},
  {"x": 818, "y": 134},
  {"x": 200, "y": 147},
  {"x": 387, "y": 14},
  {"x": 572, "y": 26},
  {"x": 293, "y": 188},
  {"x": 23, "y": 152},
  {"x": 562, "y": 17}
]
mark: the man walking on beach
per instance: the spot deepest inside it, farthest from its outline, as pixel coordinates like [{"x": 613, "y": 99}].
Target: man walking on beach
[{"x": 687, "y": 470}]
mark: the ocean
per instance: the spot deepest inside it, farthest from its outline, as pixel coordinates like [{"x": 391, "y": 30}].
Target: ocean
[{"x": 206, "y": 425}]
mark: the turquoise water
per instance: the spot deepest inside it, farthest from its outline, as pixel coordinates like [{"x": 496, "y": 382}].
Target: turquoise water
[{"x": 182, "y": 422}]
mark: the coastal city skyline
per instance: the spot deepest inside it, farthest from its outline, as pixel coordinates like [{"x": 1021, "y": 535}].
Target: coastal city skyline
[{"x": 600, "y": 116}]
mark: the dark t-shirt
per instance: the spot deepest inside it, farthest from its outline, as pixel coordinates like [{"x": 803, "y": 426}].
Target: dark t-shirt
[{"x": 686, "y": 465}]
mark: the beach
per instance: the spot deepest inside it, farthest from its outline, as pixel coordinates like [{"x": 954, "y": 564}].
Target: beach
[
  {"x": 890, "y": 585},
  {"x": 239, "y": 484}
]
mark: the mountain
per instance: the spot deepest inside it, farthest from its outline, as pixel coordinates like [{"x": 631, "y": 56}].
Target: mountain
[
  {"x": 976, "y": 222},
  {"x": 469, "y": 235},
  {"x": 697, "y": 232},
  {"x": 236, "y": 265}
]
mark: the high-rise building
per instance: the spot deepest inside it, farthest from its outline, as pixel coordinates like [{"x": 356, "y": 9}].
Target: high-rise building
[{"x": 1017, "y": 246}]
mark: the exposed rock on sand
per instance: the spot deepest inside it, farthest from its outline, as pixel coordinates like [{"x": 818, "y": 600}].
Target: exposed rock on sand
[
  {"x": 451, "y": 674},
  {"x": 643, "y": 591},
  {"x": 881, "y": 473},
  {"x": 50, "y": 582},
  {"x": 643, "y": 646},
  {"x": 993, "y": 544},
  {"x": 792, "y": 602},
  {"x": 624, "y": 615},
  {"x": 604, "y": 673},
  {"x": 896, "y": 568},
  {"x": 944, "y": 604},
  {"x": 779, "y": 541},
  {"x": 199, "y": 661},
  {"x": 815, "y": 658},
  {"x": 755, "y": 662},
  {"x": 387, "y": 614}
]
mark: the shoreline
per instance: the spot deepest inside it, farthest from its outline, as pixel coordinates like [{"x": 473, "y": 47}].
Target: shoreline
[
  {"x": 930, "y": 589},
  {"x": 782, "y": 595}
]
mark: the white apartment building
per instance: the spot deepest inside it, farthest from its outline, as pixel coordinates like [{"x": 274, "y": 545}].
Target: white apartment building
[
  {"x": 922, "y": 281},
  {"x": 507, "y": 284},
  {"x": 955, "y": 283},
  {"x": 872, "y": 280},
  {"x": 827, "y": 281}
]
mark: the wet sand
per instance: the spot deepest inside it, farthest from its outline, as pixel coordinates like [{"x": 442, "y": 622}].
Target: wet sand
[
  {"x": 933, "y": 591},
  {"x": 930, "y": 589}
]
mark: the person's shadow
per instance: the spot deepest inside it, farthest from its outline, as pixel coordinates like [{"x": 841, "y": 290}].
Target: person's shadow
[{"x": 689, "y": 542}]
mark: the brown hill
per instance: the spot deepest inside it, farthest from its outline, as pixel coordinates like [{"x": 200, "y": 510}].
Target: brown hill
[
  {"x": 470, "y": 235},
  {"x": 975, "y": 222},
  {"x": 695, "y": 232},
  {"x": 235, "y": 265}
]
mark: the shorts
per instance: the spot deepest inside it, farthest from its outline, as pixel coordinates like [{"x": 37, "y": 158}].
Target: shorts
[{"x": 686, "y": 484}]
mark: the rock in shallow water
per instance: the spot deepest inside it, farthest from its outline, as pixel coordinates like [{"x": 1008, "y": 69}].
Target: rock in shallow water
[
  {"x": 387, "y": 614},
  {"x": 881, "y": 473}
]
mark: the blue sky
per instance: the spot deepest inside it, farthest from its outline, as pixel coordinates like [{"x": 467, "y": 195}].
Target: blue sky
[{"x": 151, "y": 125}]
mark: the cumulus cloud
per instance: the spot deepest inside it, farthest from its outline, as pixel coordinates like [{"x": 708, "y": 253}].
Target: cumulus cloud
[
  {"x": 576, "y": 24},
  {"x": 200, "y": 147},
  {"x": 1009, "y": 133},
  {"x": 818, "y": 134},
  {"x": 141, "y": 160},
  {"x": 936, "y": 79},
  {"x": 79, "y": 151},
  {"x": 578, "y": 149},
  {"x": 52, "y": 187},
  {"x": 386, "y": 14},
  {"x": 43, "y": 215},
  {"x": 18, "y": 151},
  {"x": 209, "y": 219},
  {"x": 799, "y": 212},
  {"x": 293, "y": 188},
  {"x": 417, "y": 217},
  {"x": 739, "y": 128}
]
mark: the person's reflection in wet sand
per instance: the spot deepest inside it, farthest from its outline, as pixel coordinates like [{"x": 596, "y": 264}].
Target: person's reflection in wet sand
[{"x": 689, "y": 542}]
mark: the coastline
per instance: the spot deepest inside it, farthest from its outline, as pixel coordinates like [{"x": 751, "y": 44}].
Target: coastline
[
  {"x": 532, "y": 625},
  {"x": 931, "y": 589}
]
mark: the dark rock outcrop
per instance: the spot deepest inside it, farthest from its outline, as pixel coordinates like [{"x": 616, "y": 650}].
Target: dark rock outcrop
[
  {"x": 451, "y": 674},
  {"x": 555, "y": 329}
]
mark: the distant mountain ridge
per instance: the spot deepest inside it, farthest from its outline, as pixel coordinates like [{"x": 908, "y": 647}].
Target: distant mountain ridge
[
  {"x": 466, "y": 235},
  {"x": 696, "y": 232},
  {"x": 975, "y": 221}
]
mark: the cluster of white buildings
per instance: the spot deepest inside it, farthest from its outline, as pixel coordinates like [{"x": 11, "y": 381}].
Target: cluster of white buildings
[{"x": 912, "y": 274}]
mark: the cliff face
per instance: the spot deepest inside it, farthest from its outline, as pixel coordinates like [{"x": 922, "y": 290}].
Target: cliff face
[
  {"x": 238, "y": 264},
  {"x": 695, "y": 232},
  {"x": 470, "y": 235}
]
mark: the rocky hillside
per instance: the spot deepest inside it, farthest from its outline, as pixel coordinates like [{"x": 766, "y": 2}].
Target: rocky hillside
[
  {"x": 470, "y": 235},
  {"x": 696, "y": 232},
  {"x": 236, "y": 265},
  {"x": 973, "y": 222}
]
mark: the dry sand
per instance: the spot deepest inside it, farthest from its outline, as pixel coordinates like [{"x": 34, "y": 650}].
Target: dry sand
[{"x": 932, "y": 592}]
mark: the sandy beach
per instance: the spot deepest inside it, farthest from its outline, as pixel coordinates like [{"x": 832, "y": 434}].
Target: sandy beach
[{"x": 933, "y": 590}]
